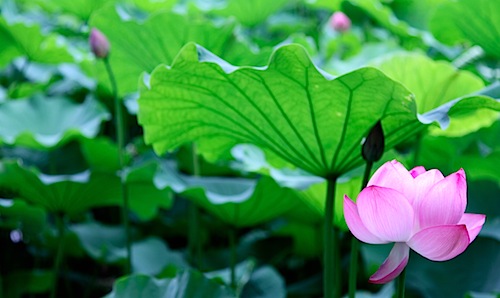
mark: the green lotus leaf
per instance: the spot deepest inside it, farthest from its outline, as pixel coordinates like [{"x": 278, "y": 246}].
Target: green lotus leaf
[
  {"x": 157, "y": 40},
  {"x": 385, "y": 17},
  {"x": 307, "y": 238},
  {"x": 82, "y": 9},
  {"x": 101, "y": 154},
  {"x": 468, "y": 20},
  {"x": 42, "y": 122},
  {"x": 251, "y": 13},
  {"x": 326, "y": 4},
  {"x": 416, "y": 12},
  {"x": 107, "y": 244},
  {"x": 20, "y": 39},
  {"x": 462, "y": 110},
  {"x": 16, "y": 214},
  {"x": 155, "y": 5},
  {"x": 436, "y": 83},
  {"x": 306, "y": 117},
  {"x": 263, "y": 282},
  {"x": 27, "y": 282},
  {"x": 73, "y": 194},
  {"x": 188, "y": 283},
  {"x": 240, "y": 202},
  {"x": 243, "y": 271},
  {"x": 101, "y": 242}
]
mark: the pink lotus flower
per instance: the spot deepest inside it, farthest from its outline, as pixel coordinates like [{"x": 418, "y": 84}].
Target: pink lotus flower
[
  {"x": 99, "y": 44},
  {"x": 417, "y": 209},
  {"x": 340, "y": 22}
]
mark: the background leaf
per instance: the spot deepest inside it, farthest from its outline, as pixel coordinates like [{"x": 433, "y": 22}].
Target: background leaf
[
  {"x": 76, "y": 193},
  {"x": 20, "y": 39},
  {"x": 157, "y": 40},
  {"x": 468, "y": 20},
  {"x": 185, "y": 284},
  {"x": 435, "y": 83},
  {"x": 251, "y": 13},
  {"x": 236, "y": 201},
  {"x": 43, "y": 122}
]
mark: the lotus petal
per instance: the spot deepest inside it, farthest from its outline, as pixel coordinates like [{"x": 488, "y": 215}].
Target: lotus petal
[
  {"x": 474, "y": 223},
  {"x": 394, "y": 175},
  {"x": 417, "y": 171},
  {"x": 444, "y": 203},
  {"x": 356, "y": 225},
  {"x": 440, "y": 243},
  {"x": 393, "y": 265},
  {"x": 386, "y": 213},
  {"x": 424, "y": 182}
]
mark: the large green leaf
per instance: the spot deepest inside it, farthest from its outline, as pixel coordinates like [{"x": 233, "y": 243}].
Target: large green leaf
[
  {"x": 157, "y": 40},
  {"x": 251, "y": 13},
  {"x": 435, "y": 83},
  {"x": 77, "y": 193},
  {"x": 301, "y": 114},
  {"x": 187, "y": 283},
  {"x": 477, "y": 21},
  {"x": 20, "y": 39},
  {"x": 42, "y": 122}
]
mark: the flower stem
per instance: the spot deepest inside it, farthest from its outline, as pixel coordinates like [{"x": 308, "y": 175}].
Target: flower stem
[
  {"x": 120, "y": 132},
  {"x": 331, "y": 255},
  {"x": 194, "y": 245},
  {"x": 417, "y": 149},
  {"x": 232, "y": 248},
  {"x": 59, "y": 254},
  {"x": 353, "y": 270},
  {"x": 401, "y": 285}
]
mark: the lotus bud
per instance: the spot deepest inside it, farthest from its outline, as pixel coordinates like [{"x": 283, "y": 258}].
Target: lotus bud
[
  {"x": 373, "y": 147},
  {"x": 340, "y": 22},
  {"x": 99, "y": 44}
]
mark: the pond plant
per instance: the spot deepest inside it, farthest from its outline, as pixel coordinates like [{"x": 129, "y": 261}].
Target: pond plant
[{"x": 234, "y": 148}]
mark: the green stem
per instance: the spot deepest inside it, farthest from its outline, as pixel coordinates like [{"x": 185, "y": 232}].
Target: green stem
[
  {"x": 232, "y": 247},
  {"x": 120, "y": 132},
  {"x": 400, "y": 291},
  {"x": 331, "y": 280},
  {"x": 417, "y": 149},
  {"x": 353, "y": 270},
  {"x": 194, "y": 245},
  {"x": 59, "y": 254}
]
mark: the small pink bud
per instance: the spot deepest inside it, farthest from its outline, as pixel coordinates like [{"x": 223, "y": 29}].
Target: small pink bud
[
  {"x": 340, "y": 22},
  {"x": 99, "y": 44}
]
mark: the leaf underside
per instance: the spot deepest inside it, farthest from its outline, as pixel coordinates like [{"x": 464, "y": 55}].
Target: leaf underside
[{"x": 304, "y": 116}]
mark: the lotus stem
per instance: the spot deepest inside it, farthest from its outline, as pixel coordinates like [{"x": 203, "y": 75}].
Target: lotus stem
[
  {"x": 331, "y": 254},
  {"x": 417, "y": 149},
  {"x": 353, "y": 270},
  {"x": 232, "y": 248},
  {"x": 400, "y": 291},
  {"x": 194, "y": 246},
  {"x": 120, "y": 132},
  {"x": 59, "y": 254}
]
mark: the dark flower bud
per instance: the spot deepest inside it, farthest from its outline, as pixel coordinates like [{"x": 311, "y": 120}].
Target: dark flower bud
[
  {"x": 99, "y": 44},
  {"x": 373, "y": 147}
]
